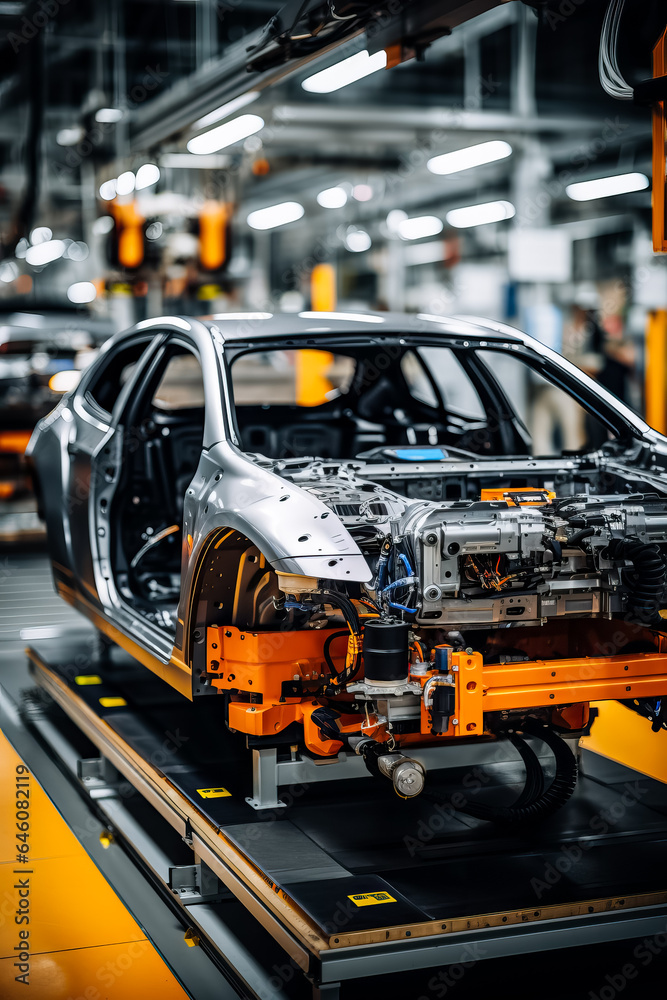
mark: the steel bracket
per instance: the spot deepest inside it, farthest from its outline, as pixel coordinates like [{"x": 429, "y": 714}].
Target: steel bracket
[{"x": 196, "y": 884}]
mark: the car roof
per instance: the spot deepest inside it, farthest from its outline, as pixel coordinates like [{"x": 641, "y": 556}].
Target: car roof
[
  {"x": 261, "y": 325},
  {"x": 258, "y": 327}
]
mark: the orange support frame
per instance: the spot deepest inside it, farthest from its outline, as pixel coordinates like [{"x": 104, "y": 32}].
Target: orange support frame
[
  {"x": 272, "y": 678},
  {"x": 655, "y": 378},
  {"x": 509, "y": 686},
  {"x": 659, "y": 151}
]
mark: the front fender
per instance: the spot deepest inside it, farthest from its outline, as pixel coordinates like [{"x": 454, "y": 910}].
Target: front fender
[{"x": 294, "y": 531}]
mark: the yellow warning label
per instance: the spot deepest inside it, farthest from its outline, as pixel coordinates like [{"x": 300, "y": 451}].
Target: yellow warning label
[
  {"x": 371, "y": 898},
  {"x": 213, "y": 793},
  {"x": 87, "y": 679},
  {"x": 112, "y": 702}
]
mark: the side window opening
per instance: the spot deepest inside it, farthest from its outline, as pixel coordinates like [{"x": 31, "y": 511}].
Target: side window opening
[
  {"x": 104, "y": 389},
  {"x": 556, "y": 422},
  {"x": 163, "y": 449},
  {"x": 457, "y": 391}
]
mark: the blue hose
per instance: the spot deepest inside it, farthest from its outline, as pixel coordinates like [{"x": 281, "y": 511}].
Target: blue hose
[
  {"x": 402, "y": 607},
  {"x": 406, "y": 562}
]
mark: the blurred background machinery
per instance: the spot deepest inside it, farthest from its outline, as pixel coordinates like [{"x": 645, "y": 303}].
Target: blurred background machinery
[{"x": 459, "y": 156}]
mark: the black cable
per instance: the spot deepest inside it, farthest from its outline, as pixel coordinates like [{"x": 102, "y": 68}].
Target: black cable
[
  {"x": 533, "y": 804},
  {"x": 327, "y": 654},
  {"x": 647, "y": 583},
  {"x": 534, "y": 786},
  {"x": 345, "y": 605},
  {"x": 579, "y": 536},
  {"x": 352, "y": 618}
]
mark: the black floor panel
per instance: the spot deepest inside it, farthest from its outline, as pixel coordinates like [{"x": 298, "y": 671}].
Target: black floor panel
[{"x": 609, "y": 840}]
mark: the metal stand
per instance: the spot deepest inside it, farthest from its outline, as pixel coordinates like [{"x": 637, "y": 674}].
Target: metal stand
[{"x": 296, "y": 773}]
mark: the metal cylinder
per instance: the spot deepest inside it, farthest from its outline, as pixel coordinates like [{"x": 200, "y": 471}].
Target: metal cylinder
[
  {"x": 407, "y": 775},
  {"x": 385, "y": 651}
]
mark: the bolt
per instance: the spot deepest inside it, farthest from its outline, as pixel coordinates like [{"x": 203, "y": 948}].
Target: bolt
[{"x": 455, "y": 722}]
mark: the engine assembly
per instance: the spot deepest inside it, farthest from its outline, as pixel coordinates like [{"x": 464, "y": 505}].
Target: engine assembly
[{"x": 442, "y": 645}]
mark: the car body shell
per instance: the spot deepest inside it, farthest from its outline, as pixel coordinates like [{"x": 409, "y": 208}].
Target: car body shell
[{"x": 235, "y": 490}]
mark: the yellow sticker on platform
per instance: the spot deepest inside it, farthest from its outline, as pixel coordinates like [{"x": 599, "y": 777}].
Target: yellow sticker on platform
[
  {"x": 371, "y": 898},
  {"x": 213, "y": 793},
  {"x": 87, "y": 679},
  {"x": 112, "y": 702}
]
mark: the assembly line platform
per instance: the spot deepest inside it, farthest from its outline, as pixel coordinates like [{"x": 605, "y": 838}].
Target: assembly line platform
[{"x": 347, "y": 879}]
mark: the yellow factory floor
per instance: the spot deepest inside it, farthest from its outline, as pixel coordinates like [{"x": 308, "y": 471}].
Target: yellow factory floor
[{"x": 63, "y": 930}]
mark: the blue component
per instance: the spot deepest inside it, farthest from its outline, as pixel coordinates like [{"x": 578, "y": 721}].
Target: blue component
[
  {"x": 403, "y": 582},
  {"x": 406, "y": 562},
  {"x": 382, "y": 571},
  {"x": 443, "y": 658},
  {"x": 402, "y": 607},
  {"x": 421, "y": 454}
]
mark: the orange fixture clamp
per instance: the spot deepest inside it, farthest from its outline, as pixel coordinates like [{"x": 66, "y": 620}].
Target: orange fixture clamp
[{"x": 520, "y": 496}]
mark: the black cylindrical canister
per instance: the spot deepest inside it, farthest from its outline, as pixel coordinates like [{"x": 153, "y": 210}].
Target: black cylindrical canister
[{"x": 385, "y": 649}]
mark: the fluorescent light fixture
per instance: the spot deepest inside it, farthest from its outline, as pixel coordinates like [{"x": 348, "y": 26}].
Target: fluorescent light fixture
[
  {"x": 107, "y": 190},
  {"x": 41, "y": 234},
  {"x": 606, "y": 187},
  {"x": 334, "y": 197},
  {"x": 481, "y": 215},
  {"x": 82, "y": 291},
  {"x": 8, "y": 271},
  {"x": 350, "y": 317},
  {"x": 108, "y": 116},
  {"x": 226, "y": 109},
  {"x": 420, "y": 227},
  {"x": 147, "y": 175},
  {"x": 357, "y": 241},
  {"x": 348, "y": 71},
  {"x": 395, "y": 218},
  {"x": 190, "y": 161},
  {"x": 125, "y": 184},
  {"x": 471, "y": 156},
  {"x": 102, "y": 225},
  {"x": 65, "y": 381},
  {"x": 45, "y": 253},
  {"x": 226, "y": 135},
  {"x": 77, "y": 250},
  {"x": 362, "y": 192},
  {"x": 69, "y": 136},
  {"x": 275, "y": 215}
]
